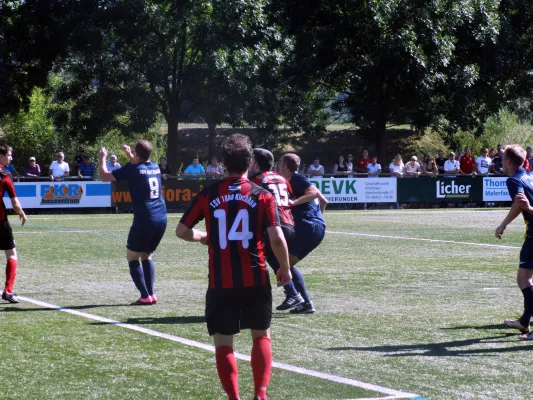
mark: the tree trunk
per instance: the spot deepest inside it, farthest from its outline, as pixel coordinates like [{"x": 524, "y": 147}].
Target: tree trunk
[
  {"x": 172, "y": 140},
  {"x": 380, "y": 132},
  {"x": 212, "y": 126}
]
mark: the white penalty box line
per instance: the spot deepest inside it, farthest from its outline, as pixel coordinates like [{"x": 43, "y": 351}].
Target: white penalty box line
[{"x": 392, "y": 394}]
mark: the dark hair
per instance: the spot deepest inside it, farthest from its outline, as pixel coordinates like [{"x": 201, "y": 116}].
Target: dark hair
[
  {"x": 516, "y": 154},
  {"x": 343, "y": 160},
  {"x": 237, "y": 153},
  {"x": 4, "y": 148},
  {"x": 264, "y": 158},
  {"x": 291, "y": 161},
  {"x": 143, "y": 148}
]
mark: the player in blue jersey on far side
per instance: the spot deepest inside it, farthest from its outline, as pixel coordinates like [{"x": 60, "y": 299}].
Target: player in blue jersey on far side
[
  {"x": 149, "y": 214},
  {"x": 520, "y": 187},
  {"x": 309, "y": 224}
]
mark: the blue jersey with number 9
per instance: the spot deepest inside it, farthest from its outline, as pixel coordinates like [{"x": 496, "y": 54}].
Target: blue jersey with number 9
[{"x": 144, "y": 181}]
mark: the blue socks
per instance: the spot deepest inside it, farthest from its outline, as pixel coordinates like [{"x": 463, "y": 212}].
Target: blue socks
[
  {"x": 290, "y": 290},
  {"x": 149, "y": 275},
  {"x": 137, "y": 275},
  {"x": 299, "y": 284}
]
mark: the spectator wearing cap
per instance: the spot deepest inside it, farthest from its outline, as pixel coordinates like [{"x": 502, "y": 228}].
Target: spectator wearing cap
[
  {"x": 316, "y": 169},
  {"x": 86, "y": 169},
  {"x": 412, "y": 168},
  {"x": 214, "y": 169},
  {"x": 483, "y": 162},
  {"x": 374, "y": 168},
  {"x": 363, "y": 162},
  {"x": 396, "y": 167},
  {"x": 451, "y": 166},
  {"x": 32, "y": 169},
  {"x": 59, "y": 168},
  {"x": 467, "y": 162},
  {"x": 112, "y": 164}
]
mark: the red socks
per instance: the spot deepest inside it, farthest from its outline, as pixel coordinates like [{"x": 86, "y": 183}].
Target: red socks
[
  {"x": 11, "y": 272},
  {"x": 261, "y": 365},
  {"x": 227, "y": 371}
]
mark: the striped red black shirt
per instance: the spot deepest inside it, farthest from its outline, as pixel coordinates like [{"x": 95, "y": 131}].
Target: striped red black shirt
[
  {"x": 280, "y": 189},
  {"x": 6, "y": 186},
  {"x": 237, "y": 212}
]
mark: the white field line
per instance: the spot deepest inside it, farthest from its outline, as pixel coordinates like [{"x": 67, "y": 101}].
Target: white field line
[
  {"x": 187, "y": 342},
  {"x": 499, "y": 246}
]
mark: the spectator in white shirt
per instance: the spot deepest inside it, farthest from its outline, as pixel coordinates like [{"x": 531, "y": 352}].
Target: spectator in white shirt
[
  {"x": 316, "y": 169},
  {"x": 59, "y": 169},
  {"x": 112, "y": 164},
  {"x": 349, "y": 162},
  {"x": 214, "y": 169},
  {"x": 451, "y": 166},
  {"x": 396, "y": 167},
  {"x": 483, "y": 163},
  {"x": 412, "y": 168},
  {"x": 374, "y": 168}
]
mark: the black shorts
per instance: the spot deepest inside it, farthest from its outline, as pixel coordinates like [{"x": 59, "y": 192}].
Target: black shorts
[
  {"x": 7, "y": 241},
  {"x": 144, "y": 238},
  {"x": 526, "y": 254},
  {"x": 288, "y": 233},
  {"x": 227, "y": 311}
]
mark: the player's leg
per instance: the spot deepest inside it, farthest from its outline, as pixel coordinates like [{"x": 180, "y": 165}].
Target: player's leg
[
  {"x": 7, "y": 243},
  {"x": 222, "y": 315},
  {"x": 147, "y": 261},
  {"x": 137, "y": 275},
  {"x": 261, "y": 362}
]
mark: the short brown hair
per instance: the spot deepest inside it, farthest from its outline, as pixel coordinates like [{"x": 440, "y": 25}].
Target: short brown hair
[
  {"x": 143, "y": 148},
  {"x": 4, "y": 148},
  {"x": 515, "y": 153},
  {"x": 291, "y": 161},
  {"x": 237, "y": 153}
]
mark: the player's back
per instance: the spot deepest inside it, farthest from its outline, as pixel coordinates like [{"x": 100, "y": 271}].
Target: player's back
[
  {"x": 6, "y": 186},
  {"x": 237, "y": 212},
  {"x": 522, "y": 180},
  {"x": 144, "y": 182},
  {"x": 278, "y": 186},
  {"x": 308, "y": 211}
]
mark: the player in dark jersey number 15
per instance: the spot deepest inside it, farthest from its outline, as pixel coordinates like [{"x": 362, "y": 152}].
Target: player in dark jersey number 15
[
  {"x": 149, "y": 214},
  {"x": 237, "y": 213}
]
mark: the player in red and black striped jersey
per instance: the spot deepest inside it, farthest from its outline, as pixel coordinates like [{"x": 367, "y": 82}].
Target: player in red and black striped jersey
[
  {"x": 7, "y": 242},
  {"x": 282, "y": 191},
  {"x": 237, "y": 213}
]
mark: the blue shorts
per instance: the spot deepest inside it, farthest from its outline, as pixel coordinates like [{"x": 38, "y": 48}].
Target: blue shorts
[
  {"x": 308, "y": 235},
  {"x": 144, "y": 238},
  {"x": 288, "y": 233},
  {"x": 526, "y": 254}
]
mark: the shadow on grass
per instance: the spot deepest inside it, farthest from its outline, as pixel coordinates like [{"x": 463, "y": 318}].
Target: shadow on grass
[
  {"x": 190, "y": 319},
  {"x": 446, "y": 349},
  {"x": 477, "y": 327},
  {"x": 83, "y": 307}
]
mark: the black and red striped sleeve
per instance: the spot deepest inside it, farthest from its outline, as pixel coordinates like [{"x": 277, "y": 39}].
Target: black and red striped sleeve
[
  {"x": 196, "y": 211},
  {"x": 9, "y": 187},
  {"x": 271, "y": 210}
]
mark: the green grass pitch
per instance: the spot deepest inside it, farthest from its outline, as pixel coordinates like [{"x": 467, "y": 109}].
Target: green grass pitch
[{"x": 408, "y": 300}]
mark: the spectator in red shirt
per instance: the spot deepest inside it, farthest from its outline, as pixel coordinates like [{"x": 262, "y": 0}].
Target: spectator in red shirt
[
  {"x": 467, "y": 162},
  {"x": 363, "y": 162},
  {"x": 526, "y": 165}
]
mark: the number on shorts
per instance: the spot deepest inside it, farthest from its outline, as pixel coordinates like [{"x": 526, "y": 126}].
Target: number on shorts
[
  {"x": 244, "y": 235},
  {"x": 154, "y": 188}
]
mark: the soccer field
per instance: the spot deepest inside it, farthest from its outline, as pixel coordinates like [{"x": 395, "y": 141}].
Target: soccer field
[{"x": 410, "y": 303}]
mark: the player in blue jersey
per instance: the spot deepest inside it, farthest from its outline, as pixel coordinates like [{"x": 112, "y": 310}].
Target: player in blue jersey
[
  {"x": 309, "y": 225},
  {"x": 149, "y": 214},
  {"x": 520, "y": 186}
]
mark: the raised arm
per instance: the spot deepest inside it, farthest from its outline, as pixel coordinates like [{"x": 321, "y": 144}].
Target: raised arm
[
  {"x": 128, "y": 153},
  {"x": 105, "y": 175}
]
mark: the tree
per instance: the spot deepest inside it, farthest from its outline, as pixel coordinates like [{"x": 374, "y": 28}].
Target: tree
[{"x": 400, "y": 61}]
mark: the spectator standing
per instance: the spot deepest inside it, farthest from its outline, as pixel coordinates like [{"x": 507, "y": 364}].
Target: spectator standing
[
  {"x": 195, "y": 170},
  {"x": 496, "y": 167},
  {"x": 112, "y": 164},
  {"x": 412, "y": 168},
  {"x": 492, "y": 153},
  {"x": 396, "y": 167},
  {"x": 349, "y": 162},
  {"x": 440, "y": 161},
  {"x": 374, "y": 168},
  {"x": 483, "y": 163},
  {"x": 214, "y": 169},
  {"x": 451, "y": 166},
  {"x": 459, "y": 153},
  {"x": 87, "y": 168},
  {"x": 316, "y": 169},
  {"x": 32, "y": 169},
  {"x": 430, "y": 168},
  {"x": 164, "y": 168},
  {"x": 59, "y": 168},
  {"x": 78, "y": 159},
  {"x": 467, "y": 162},
  {"x": 340, "y": 168},
  {"x": 363, "y": 162}
]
